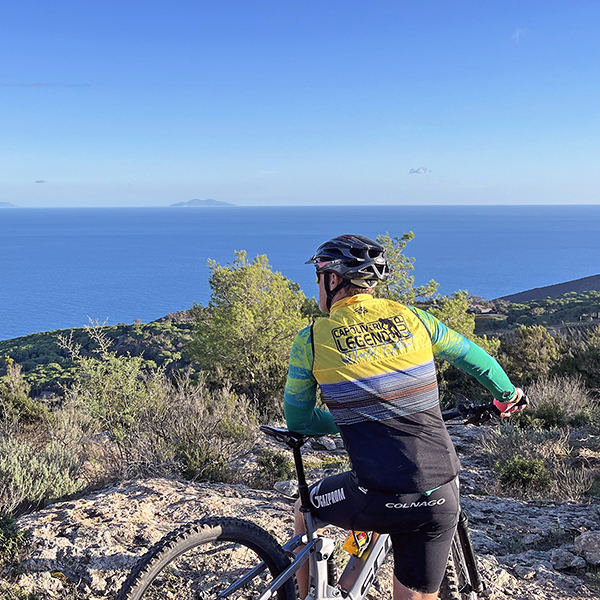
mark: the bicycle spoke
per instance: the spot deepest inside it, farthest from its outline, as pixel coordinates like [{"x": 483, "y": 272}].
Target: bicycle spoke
[{"x": 211, "y": 571}]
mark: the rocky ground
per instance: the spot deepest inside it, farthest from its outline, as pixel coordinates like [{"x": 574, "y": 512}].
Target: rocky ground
[{"x": 83, "y": 548}]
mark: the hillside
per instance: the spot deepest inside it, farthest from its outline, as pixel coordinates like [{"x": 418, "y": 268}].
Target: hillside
[
  {"x": 47, "y": 366},
  {"x": 585, "y": 284}
]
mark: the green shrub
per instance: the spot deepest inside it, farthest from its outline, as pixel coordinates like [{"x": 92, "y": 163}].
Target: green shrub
[
  {"x": 526, "y": 474},
  {"x": 273, "y": 466},
  {"x": 206, "y": 430},
  {"x": 516, "y": 453},
  {"x": 581, "y": 355},
  {"x": 559, "y": 402},
  {"x": 31, "y": 476},
  {"x": 12, "y": 539},
  {"x": 15, "y": 402},
  {"x": 157, "y": 425},
  {"x": 114, "y": 391},
  {"x": 528, "y": 354}
]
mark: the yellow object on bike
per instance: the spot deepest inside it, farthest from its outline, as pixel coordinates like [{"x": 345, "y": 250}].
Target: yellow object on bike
[{"x": 357, "y": 542}]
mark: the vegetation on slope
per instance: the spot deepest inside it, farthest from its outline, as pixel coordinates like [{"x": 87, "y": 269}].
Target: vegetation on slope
[{"x": 47, "y": 366}]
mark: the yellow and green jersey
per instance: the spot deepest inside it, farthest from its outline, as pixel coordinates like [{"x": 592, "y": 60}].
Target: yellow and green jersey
[{"x": 373, "y": 360}]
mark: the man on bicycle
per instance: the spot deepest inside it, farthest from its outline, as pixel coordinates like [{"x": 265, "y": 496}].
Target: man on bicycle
[{"x": 373, "y": 360}]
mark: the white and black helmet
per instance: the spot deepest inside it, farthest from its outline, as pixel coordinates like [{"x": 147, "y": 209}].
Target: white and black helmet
[
  {"x": 358, "y": 260},
  {"x": 352, "y": 257}
]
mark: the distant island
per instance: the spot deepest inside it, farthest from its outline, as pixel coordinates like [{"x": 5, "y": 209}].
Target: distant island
[
  {"x": 196, "y": 202},
  {"x": 7, "y": 205}
]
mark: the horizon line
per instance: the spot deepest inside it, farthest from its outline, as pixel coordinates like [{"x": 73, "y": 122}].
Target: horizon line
[{"x": 231, "y": 205}]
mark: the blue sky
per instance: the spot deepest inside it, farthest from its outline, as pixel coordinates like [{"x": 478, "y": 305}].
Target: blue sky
[{"x": 135, "y": 103}]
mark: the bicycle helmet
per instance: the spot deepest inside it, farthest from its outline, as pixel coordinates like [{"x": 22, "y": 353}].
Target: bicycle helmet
[{"x": 356, "y": 259}]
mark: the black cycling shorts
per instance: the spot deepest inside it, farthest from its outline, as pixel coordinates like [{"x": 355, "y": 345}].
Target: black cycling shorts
[{"x": 421, "y": 526}]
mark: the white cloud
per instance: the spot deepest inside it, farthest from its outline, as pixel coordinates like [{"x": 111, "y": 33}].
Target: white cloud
[
  {"x": 419, "y": 171},
  {"x": 519, "y": 34}
]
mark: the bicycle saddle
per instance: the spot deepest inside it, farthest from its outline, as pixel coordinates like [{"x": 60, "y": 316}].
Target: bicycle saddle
[{"x": 291, "y": 438}]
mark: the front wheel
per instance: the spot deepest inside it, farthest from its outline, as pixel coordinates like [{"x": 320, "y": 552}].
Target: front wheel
[
  {"x": 202, "y": 560},
  {"x": 457, "y": 583}
]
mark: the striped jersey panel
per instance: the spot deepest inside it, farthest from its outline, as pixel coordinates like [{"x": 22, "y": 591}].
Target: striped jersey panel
[{"x": 384, "y": 396}]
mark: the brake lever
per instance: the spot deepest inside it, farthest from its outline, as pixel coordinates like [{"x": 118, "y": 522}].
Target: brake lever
[
  {"x": 479, "y": 417},
  {"x": 474, "y": 415}
]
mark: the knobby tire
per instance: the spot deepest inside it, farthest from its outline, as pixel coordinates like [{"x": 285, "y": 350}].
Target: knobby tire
[
  {"x": 457, "y": 584},
  {"x": 201, "y": 560}
]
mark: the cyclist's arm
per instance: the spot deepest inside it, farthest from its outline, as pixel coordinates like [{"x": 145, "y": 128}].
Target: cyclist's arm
[
  {"x": 300, "y": 398},
  {"x": 468, "y": 356}
]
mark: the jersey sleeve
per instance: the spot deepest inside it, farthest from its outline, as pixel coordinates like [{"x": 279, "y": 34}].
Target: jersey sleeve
[
  {"x": 467, "y": 355},
  {"x": 300, "y": 398}
]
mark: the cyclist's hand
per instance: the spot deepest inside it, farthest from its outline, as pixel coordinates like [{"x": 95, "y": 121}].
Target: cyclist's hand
[{"x": 506, "y": 409}]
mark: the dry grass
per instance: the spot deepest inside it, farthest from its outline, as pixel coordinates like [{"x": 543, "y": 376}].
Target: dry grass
[
  {"x": 560, "y": 477},
  {"x": 563, "y": 401}
]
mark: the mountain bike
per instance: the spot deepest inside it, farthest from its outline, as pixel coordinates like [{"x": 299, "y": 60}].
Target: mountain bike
[{"x": 220, "y": 558}]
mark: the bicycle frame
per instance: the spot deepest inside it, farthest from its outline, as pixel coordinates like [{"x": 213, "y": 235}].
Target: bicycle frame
[{"x": 359, "y": 572}]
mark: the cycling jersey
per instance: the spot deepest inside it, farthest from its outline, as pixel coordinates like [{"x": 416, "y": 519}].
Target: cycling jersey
[{"x": 373, "y": 360}]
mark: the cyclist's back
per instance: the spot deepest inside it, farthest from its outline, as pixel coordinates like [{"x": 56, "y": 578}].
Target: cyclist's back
[{"x": 374, "y": 362}]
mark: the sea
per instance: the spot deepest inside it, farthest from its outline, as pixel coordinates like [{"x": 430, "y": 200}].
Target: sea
[{"x": 68, "y": 267}]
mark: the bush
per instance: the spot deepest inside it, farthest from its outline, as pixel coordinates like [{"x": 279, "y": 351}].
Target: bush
[
  {"x": 15, "y": 403},
  {"x": 529, "y": 354},
  {"x": 156, "y": 425},
  {"x": 559, "y": 402},
  {"x": 12, "y": 539},
  {"x": 111, "y": 389},
  {"x": 31, "y": 476},
  {"x": 581, "y": 355},
  {"x": 522, "y": 451},
  {"x": 273, "y": 466},
  {"x": 523, "y": 473},
  {"x": 207, "y": 429}
]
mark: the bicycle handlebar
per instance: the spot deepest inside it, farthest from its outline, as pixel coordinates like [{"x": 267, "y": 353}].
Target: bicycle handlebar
[
  {"x": 474, "y": 415},
  {"x": 477, "y": 414}
]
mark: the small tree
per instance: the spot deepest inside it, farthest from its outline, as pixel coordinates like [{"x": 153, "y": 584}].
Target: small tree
[
  {"x": 454, "y": 312},
  {"x": 530, "y": 353},
  {"x": 581, "y": 356},
  {"x": 401, "y": 284},
  {"x": 15, "y": 402},
  {"x": 245, "y": 334}
]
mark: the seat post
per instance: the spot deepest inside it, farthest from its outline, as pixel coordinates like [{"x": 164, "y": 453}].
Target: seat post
[{"x": 302, "y": 485}]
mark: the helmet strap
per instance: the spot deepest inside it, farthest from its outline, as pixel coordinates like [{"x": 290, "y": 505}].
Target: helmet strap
[{"x": 332, "y": 292}]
